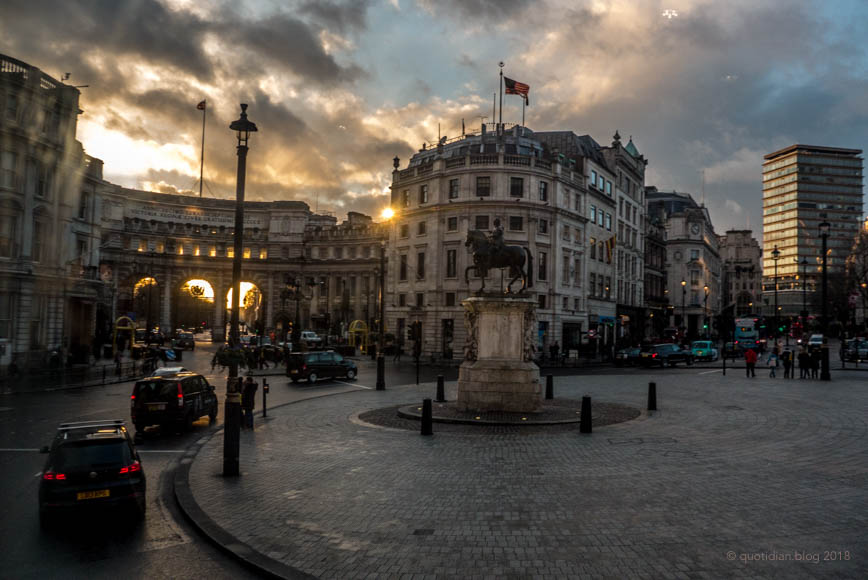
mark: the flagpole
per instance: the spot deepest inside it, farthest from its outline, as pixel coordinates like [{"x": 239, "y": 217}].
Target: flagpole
[
  {"x": 202, "y": 161},
  {"x": 500, "y": 87},
  {"x": 523, "y": 101}
]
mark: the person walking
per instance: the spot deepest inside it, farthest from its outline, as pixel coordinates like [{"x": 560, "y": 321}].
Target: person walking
[
  {"x": 815, "y": 363},
  {"x": 554, "y": 349},
  {"x": 804, "y": 363},
  {"x": 787, "y": 359},
  {"x": 399, "y": 350},
  {"x": 248, "y": 400},
  {"x": 773, "y": 362},
  {"x": 750, "y": 362}
]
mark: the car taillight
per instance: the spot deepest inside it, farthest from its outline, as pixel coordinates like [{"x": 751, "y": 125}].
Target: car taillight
[
  {"x": 180, "y": 396},
  {"x": 654, "y": 355},
  {"x": 51, "y": 476},
  {"x": 304, "y": 367},
  {"x": 133, "y": 468}
]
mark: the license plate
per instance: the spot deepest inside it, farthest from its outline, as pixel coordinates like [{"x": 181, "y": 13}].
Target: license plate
[
  {"x": 293, "y": 372},
  {"x": 92, "y": 494},
  {"x": 645, "y": 355},
  {"x": 156, "y": 406}
]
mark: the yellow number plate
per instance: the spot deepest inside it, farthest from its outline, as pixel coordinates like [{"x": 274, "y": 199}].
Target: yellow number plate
[
  {"x": 92, "y": 494},
  {"x": 293, "y": 372}
]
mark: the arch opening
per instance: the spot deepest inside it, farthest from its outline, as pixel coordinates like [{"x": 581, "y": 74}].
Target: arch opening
[{"x": 251, "y": 306}]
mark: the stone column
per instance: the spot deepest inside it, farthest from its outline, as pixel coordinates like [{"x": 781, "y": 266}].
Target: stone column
[
  {"x": 218, "y": 331},
  {"x": 166, "y": 314},
  {"x": 270, "y": 298},
  {"x": 498, "y": 372}
]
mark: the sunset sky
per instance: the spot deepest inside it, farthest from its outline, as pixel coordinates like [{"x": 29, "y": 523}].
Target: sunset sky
[{"x": 340, "y": 88}]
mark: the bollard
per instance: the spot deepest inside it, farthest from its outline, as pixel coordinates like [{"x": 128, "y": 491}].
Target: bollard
[
  {"x": 441, "y": 395},
  {"x": 427, "y": 420},
  {"x": 585, "y": 417},
  {"x": 652, "y": 396},
  {"x": 550, "y": 387},
  {"x": 264, "y": 398}
]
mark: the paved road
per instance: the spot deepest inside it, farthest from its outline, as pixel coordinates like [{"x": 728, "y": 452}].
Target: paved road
[{"x": 166, "y": 545}]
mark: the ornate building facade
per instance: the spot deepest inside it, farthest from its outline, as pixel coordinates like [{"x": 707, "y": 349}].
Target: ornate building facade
[{"x": 741, "y": 255}]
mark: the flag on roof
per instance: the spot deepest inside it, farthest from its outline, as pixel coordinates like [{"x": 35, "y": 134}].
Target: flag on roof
[
  {"x": 201, "y": 106},
  {"x": 516, "y": 88}
]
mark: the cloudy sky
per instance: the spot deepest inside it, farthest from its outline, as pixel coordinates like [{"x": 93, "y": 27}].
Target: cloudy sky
[{"x": 338, "y": 88}]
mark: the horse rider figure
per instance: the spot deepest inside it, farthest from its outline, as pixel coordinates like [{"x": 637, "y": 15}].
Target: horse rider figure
[{"x": 496, "y": 238}]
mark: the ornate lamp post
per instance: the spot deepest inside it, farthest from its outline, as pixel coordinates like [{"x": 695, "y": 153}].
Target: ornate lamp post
[
  {"x": 705, "y": 309},
  {"x": 684, "y": 306},
  {"x": 824, "y": 234},
  {"x": 231, "y": 439},
  {"x": 776, "y": 255}
]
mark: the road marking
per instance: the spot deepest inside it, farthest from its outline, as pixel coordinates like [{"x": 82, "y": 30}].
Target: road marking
[
  {"x": 12, "y": 450},
  {"x": 355, "y": 385},
  {"x": 162, "y": 450},
  {"x": 709, "y": 372}
]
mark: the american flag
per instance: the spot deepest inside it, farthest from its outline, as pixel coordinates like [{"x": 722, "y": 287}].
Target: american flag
[
  {"x": 201, "y": 106},
  {"x": 517, "y": 88}
]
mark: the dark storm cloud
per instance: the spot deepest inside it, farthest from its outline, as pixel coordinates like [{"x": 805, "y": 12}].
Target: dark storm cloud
[
  {"x": 337, "y": 16},
  {"x": 478, "y": 9}
]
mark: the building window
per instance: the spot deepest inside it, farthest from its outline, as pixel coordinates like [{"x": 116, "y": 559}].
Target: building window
[
  {"x": 608, "y": 187},
  {"x": 402, "y": 267},
  {"x": 542, "y": 301},
  {"x": 565, "y": 274},
  {"x": 263, "y": 253},
  {"x": 38, "y": 234},
  {"x": 212, "y": 251},
  {"x": 404, "y": 231},
  {"x": 12, "y": 107},
  {"x": 451, "y": 263},
  {"x": 576, "y": 304},
  {"x": 483, "y": 186},
  {"x": 543, "y": 226},
  {"x": 450, "y": 299},
  {"x": 593, "y": 214},
  {"x": 420, "y": 299},
  {"x": 600, "y": 181},
  {"x": 8, "y": 169},
  {"x": 608, "y": 287},
  {"x": 593, "y": 178},
  {"x": 601, "y": 217},
  {"x": 5, "y": 316},
  {"x": 7, "y": 236},
  {"x": 565, "y": 233},
  {"x": 405, "y": 198},
  {"x": 577, "y": 274},
  {"x": 592, "y": 283},
  {"x": 600, "y": 251},
  {"x": 593, "y": 246},
  {"x": 423, "y": 193},
  {"x": 482, "y": 222},
  {"x": 543, "y": 191},
  {"x": 230, "y": 252},
  {"x": 694, "y": 254},
  {"x": 516, "y": 223},
  {"x": 83, "y": 203},
  {"x": 608, "y": 221},
  {"x": 402, "y": 300},
  {"x": 339, "y": 253},
  {"x": 453, "y": 189},
  {"x": 420, "y": 266},
  {"x": 543, "y": 266},
  {"x": 452, "y": 224},
  {"x": 516, "y": 187},
  {"x": 422, "y": 228}
]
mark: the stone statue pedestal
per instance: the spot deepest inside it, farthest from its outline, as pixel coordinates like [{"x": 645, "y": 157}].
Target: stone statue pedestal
[{"x": 498, "y": 372}]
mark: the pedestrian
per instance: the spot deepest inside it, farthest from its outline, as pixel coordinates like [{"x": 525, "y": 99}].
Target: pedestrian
[
  {"x": 554, "y": 350},
  {"x": 815, "y": 363},
  {"x": 399, "y": 350},
  {"x": 248, "y": 400},
  {"x": 773, "y": 362},
  {"x": 787, "y": 359},
  {"x": 750, "y": 362},
  {"x": 804, "y": 363}
]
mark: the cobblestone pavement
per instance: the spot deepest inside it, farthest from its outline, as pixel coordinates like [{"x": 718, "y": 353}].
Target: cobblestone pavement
[{"x": 730, "y": 478}]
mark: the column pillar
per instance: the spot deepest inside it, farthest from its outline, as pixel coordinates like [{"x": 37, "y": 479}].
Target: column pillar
[
  {"x": 166, "y": 314},
  {"x": 218, "y": 332},
  {"x": 269, "y": 321}
]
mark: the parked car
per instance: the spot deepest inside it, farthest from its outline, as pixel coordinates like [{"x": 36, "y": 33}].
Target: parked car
[
  {"x": 91, "y": 465},
  {"x": 155, "y": 337},
  {"x": 628, "y": 356},
  {"x": 173, "y": 400},
  {"x": 311, "y": 366},
  {"x": 663, "y": 354},
  {"x": 816, "y": 341},
  {"x": 185, "y": 340},
  {"x": 704, "y": 350},
  {"x": 856, "y": 349},
  {"x": 311, "y": 339}
]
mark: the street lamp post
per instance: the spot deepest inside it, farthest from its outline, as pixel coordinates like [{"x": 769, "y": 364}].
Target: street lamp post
[
  {"x": 824, "y": 372},
  {"x": 232, "y": 434},
  {"x": 684, "y": 306},
  {"x": 381, "y": 336},
  {"x": 705, "y": 310},
  {"x": 776, "y": 255}
]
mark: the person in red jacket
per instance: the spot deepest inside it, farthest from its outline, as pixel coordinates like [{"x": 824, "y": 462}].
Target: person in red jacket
[{"x": 750, "y": 362}]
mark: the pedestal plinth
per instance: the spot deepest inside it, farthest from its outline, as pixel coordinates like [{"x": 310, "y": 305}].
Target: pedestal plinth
[{"x": 498, "y": 372}]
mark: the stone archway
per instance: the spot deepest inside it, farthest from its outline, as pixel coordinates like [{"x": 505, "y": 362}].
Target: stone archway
[
  {"x": 251, "y": 315},
  {"x": 145, "y": 301}
]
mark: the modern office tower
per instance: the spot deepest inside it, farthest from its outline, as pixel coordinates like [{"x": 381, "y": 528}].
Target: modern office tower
[{"x": 804, "y": 186}]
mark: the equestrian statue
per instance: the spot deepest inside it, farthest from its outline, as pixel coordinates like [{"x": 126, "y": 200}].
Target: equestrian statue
[{"x": 489, "y": 251}]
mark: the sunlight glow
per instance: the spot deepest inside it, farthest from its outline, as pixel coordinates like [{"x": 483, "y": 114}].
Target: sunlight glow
[{"x": 204, "y": 286}]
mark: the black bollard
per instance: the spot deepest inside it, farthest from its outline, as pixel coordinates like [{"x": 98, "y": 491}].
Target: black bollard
[
  {"x": 652, "y": 396},
  {"x": 550, "y": 387},
  {"x": 585, "y": 417},
  {"x": 427, "y": 420},
  {"x": 441, "y": 395},
  {"x": 264, "y": 398}
]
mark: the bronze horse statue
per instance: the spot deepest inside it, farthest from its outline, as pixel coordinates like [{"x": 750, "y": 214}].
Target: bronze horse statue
[{"x": 487, "y": 255}]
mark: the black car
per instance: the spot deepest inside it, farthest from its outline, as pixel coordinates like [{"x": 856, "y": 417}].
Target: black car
[
  {"x": 172, "y": 401},
  {"x": 311, "y": 366},
  {"x": 185, "y": 340},
  {"x": 155, "y": 337},
  {"x": 628, "y": 356},
  {"x": 91, "y": 465},
  {"x": 665, "y": 354}
]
